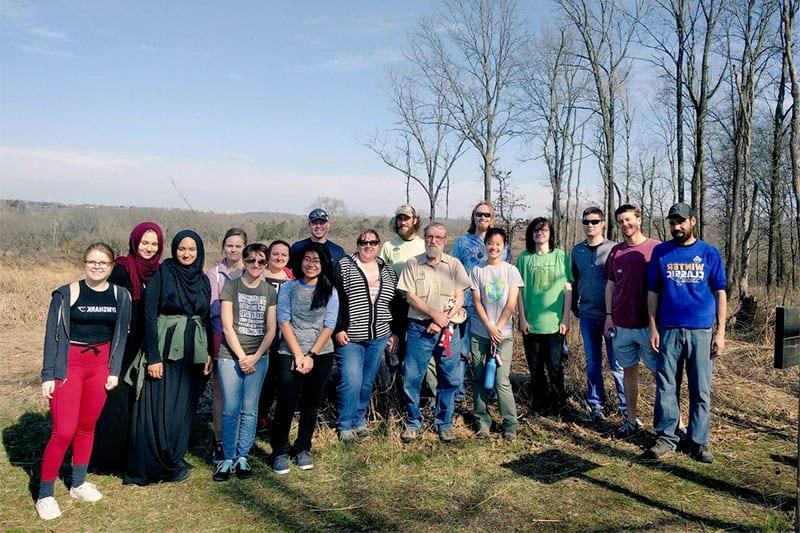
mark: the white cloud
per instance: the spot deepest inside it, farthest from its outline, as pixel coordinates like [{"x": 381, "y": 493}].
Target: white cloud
[
  {"x": 44, "y": 50},
  {"x": 49, "y": 34},
  {"x": 222, "y": 183},
  {"x": 352, "y": 62},
  {"x": 233, "y": 76}
]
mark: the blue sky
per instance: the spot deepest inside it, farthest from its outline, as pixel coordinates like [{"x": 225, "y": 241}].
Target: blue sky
[{"x": 246, "y": 105}]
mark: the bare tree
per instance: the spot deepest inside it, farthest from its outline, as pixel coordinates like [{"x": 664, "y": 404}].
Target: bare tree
[
  {"x": 751, "y": 23},
  {"x": 665, "y": 31},
  {"x": 788, "y": 11},
  {"x": 510, "y": 205},
  {"x": 606, "y": 34},
  {"x": 701, "y": 85},
  {"x": 421, "y": 146},
  {"x": 472, "y": 51},
  {"x": 552, "y": 85}
]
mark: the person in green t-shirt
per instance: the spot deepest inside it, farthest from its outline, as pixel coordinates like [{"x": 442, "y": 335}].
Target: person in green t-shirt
[{"x": 544, "y": 313}]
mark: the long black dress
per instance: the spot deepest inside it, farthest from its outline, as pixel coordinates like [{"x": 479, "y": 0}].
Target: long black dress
[
  {"x": 162, "y": 417},
  {"x": 111, "y": 432}
]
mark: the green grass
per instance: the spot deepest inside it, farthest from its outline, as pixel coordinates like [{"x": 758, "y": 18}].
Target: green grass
[{"x": 560, "y": 475}]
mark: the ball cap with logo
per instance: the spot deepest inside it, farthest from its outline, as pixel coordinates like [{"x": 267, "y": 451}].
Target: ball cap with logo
[
  {"x": 406, "y": 210},
  {"x": 318, "y": 214},
  {"x": 681, "y": 210}
]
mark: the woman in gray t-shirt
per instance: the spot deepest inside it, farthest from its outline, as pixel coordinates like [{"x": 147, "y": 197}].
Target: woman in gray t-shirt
[
  {"x": 307, "y": 311},
  {"x": 247, "y": 309}
]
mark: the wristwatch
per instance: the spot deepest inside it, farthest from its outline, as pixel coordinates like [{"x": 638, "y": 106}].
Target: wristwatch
[{"x": 312, "y": 354}]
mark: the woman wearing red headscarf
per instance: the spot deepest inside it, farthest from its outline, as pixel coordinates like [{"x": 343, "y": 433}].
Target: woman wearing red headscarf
[{"x": 131, "y": 271}]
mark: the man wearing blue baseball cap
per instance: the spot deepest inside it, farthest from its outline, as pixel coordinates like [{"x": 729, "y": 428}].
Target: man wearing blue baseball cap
[
  {"x": 686, "y": 299},
  {"x": 318, "y": 225}
]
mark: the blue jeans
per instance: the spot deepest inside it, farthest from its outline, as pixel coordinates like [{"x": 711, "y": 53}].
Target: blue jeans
[
  {"x": 465, "y": 332},
  {"x": 695, "y": 344},
  {"x": 240, "y": 395},
  {"x": 420, "y": 347},
  {"x": 358, "y": 364},
  {"x": 592, "y": 333}
]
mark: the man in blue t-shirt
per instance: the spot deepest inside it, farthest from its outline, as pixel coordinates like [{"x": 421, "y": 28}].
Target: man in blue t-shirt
[{"x": 686, "y": 298}]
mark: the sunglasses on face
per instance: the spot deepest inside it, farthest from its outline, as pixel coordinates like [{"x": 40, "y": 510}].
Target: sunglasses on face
[
  {"x": 373, "y": 242},
  {"x": 482, "y": 214},
  {"x": 253, "y": 260},
  {"x": 587, "y": 222}
]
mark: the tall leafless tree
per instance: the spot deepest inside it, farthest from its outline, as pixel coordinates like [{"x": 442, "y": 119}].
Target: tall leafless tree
[
  {"x": 751, "y": 25},
  {"x": 552, "y": 86},
  {"x": 606, "y": 33},
  {"x": 420, "y": 146},
  {"x": 472, "y": 50},
  {"x": 788, "y": 11}
]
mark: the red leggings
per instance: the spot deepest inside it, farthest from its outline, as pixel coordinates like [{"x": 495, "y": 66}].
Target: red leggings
[{"x": 75, "y": 407}]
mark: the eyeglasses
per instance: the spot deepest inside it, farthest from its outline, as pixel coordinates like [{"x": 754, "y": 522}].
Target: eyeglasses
[
  {"x": 588, "y": 222},
  {"x": 253, "y": 260},
  {"x": 483, "y": 214},
  {"x": 314, "y": 261},
  {"x": 542, "y": 230},
  {"x": 98, "y": 264},
  {"x": 438, "y": 238},
  {"x": 373, "y": 242}
]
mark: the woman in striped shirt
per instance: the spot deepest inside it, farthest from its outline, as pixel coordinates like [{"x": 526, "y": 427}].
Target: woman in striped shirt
[{"x": 366, "y": 287}]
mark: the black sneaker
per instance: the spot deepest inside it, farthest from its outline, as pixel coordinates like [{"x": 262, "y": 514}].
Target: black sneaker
[
  {"x": 699, "y": 452},
  {"x": 627, "y": 429},
  {"x": 243, "y": 468},
  {"x": 661, "y": 448},
  {"x": 218, "y": 455},
  {"x": 223, "y": 470}
]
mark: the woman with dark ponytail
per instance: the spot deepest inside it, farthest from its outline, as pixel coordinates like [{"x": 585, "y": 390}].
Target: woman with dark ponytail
[{"x": 307, "y": 311}]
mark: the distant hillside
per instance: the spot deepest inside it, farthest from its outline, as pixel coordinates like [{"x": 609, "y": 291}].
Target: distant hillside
[{"x": 29, "y": 228}]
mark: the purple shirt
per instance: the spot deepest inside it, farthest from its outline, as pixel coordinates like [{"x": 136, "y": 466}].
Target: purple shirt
[{"x": 626, "y": 266}]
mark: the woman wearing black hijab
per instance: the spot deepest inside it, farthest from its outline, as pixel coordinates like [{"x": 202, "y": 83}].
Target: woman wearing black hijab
[{"x": 169, "y": 375}]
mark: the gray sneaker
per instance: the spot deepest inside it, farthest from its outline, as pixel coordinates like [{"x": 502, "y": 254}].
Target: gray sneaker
[
  {"x": 347, "y": 436},
  {"x": 482, "y": 433},
  {"x": 280, "y": 464},
  {"x": 363, "y": 432},
  {"x": 447, "y": 436},
  {"x": 627, "y": 429},
  {"x": 510, "y": 435},
  {"x": 597, "y": 415},
  {"x": 304, "y": 460},
  {"x": 661, "y": 448},
  {"x": 408, "y": 435}
]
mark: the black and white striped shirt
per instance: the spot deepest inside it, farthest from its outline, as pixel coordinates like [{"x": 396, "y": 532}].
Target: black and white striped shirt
[{"x": 358, "y": 315}]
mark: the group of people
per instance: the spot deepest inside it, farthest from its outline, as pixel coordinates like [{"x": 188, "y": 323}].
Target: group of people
[{"x": 128, "y": 349}]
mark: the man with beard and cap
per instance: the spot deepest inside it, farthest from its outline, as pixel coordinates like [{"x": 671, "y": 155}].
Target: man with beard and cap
[
  {"x": 434, "y": 284},
  {"x": 686, "y": 298},
  {"x": 319, "y": 223},
  {"x": 405, "y": 245}
]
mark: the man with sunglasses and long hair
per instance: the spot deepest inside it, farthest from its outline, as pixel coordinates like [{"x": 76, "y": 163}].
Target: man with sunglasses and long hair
[{"x": 588, "y": 304}]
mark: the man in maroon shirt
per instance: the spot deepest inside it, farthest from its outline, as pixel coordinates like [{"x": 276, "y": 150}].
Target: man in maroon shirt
[{"x": 626, "y": 308}]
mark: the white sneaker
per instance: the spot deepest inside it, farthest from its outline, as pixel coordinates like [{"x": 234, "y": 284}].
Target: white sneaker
[
  {"x": 87, "y": 492},
  {"x": 48, "y": 508}
]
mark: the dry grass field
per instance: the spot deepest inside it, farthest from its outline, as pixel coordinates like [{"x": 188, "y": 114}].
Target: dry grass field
[{"x": 562, "y": 474}]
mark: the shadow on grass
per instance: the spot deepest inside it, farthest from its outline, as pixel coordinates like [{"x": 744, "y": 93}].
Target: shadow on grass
[
  {"x": 784, "y": 502},
  {"x": 291, "y": 505},
  {"x": 553, "y": 466},
  {"x": 24, "y": 442}
]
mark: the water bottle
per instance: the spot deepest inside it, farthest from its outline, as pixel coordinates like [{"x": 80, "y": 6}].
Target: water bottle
[{"x": 489, "y": 373}]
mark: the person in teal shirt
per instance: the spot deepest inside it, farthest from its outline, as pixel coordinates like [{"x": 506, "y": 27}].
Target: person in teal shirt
[{"x": 544, "y": 313}]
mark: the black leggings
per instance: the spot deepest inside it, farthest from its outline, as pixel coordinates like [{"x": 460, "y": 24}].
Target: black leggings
[
  {"x": 546, "y": 366},
  {"x": 294, "y": 388}
]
